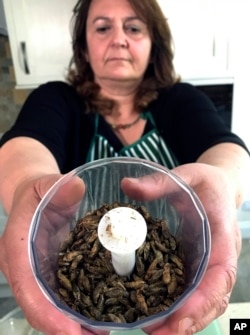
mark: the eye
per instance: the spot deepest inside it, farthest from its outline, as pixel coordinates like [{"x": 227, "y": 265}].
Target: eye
[
  {"x": 102, "y": 29},
  {"x": 133, "y": 29}
]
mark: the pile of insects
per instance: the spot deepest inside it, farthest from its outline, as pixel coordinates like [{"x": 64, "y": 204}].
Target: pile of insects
[{"x": 89, "y": 285}]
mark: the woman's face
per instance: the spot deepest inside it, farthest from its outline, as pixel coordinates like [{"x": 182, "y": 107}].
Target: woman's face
[{"x": 119, "y": 45}]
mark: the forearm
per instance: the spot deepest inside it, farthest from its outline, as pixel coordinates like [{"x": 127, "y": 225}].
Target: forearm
[
  {"x": 22, "y": 159},
  {"x": 234, "y": 161}
]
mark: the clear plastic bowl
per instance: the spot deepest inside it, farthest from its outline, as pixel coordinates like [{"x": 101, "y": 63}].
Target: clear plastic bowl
[
  {"x": 14, "y": 323},
  {"x": 178, "y": 204}
]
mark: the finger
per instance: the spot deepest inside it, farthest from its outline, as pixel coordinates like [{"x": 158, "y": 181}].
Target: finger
[
  {"x": 38, "y": 310},
  {"x": 65, "y": 191},
  {"x": 59, "y": 204},
  {"x": 165, "y": 186},
  {"x": 205, "y": 305},
  {"x": 149, "y": 187}
]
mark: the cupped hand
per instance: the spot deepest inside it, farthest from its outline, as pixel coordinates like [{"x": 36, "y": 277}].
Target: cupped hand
[
  {"x": 14, "y": 260},
  {"x": 206, "y": 303},
  {"x": 211, "y": 298}
]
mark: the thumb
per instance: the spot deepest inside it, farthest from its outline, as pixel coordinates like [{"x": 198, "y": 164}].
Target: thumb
[
  {"x": 150, "y": 187},
  {"x": 167, "y": 186},
  {"x": 63, "y": 191}
]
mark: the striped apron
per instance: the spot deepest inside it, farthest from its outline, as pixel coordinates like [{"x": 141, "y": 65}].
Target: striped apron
[{"x": 150, "y": 146}]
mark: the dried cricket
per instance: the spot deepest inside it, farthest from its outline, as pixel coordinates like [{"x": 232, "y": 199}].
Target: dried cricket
[{"x": 88, "y": 284}]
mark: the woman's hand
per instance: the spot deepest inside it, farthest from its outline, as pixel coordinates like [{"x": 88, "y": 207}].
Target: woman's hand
[
  {"x": 14, "y": 260},
  {"x": 206, "y": 303},
  {"x": 212, "y": 296}
]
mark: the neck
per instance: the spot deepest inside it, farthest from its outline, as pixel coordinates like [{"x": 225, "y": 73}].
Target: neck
[
  {"x": 123, "y": 92},
  {"x": 114, "y": 87}
]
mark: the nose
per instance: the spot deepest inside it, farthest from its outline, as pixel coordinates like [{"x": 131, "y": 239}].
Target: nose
[{"x": 119, "y": 38}]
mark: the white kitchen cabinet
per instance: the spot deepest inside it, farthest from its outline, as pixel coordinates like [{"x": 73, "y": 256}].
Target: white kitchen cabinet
[
  {"x": 40, "y": 39},
  {"x": 201, "y": 32}
]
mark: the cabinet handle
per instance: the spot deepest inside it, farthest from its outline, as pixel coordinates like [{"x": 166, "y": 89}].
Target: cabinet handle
[
  {"x": 228, "y": 54},
  {"x": 25, "y": 59},
  {"x": 214, "y": 47}
]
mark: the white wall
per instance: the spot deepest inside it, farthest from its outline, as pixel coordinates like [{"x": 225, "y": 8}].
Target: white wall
[{"x": 241, "y": 54}]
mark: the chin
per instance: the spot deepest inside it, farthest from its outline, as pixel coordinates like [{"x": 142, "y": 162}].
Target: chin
[{"x": 122, "y": 77}]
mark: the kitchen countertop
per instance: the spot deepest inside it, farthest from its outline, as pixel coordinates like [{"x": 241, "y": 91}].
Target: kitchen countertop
[{"x": 234, "y": 311}]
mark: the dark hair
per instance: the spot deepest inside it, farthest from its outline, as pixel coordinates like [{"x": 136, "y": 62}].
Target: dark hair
[{"x": 160, "y": 72}]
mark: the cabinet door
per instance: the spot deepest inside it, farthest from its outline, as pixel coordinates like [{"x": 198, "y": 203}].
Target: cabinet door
[
  {"x": 201, "y": 38},
  {"x": 40, "y": 39},
  {"x": 241, "y": 55}
]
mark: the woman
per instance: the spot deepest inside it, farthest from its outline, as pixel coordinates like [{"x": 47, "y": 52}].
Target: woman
[{"x": 123, "y": 99}]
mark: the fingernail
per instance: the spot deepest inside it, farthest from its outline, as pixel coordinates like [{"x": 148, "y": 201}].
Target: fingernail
[
  {"x": 184, "y": 325},
  {"x": 133, "y": 180}
]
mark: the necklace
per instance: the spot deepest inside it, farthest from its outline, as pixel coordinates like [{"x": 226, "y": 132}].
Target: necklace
[{"x": 125, "y": 125}]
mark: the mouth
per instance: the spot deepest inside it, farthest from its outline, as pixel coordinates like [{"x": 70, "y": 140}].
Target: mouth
[{"x": 117, "y": 59}]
